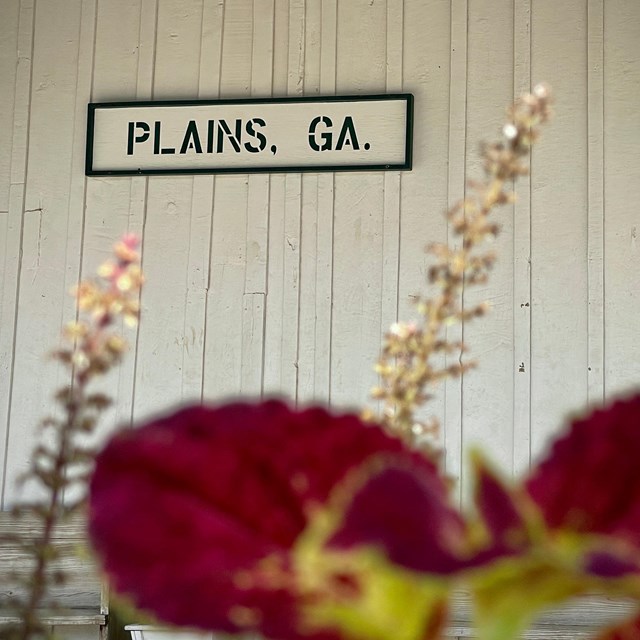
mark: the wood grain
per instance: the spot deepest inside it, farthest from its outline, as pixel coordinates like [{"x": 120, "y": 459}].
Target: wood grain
[
  {"x": 79, "y": 597},
  {"x": 487, "y": 391},
  {"x": 11, "y": 223},
  {"x": 284, "y": 285},
  {"x": 559, "y": 199},
  {"x": 621, "y": 193}
]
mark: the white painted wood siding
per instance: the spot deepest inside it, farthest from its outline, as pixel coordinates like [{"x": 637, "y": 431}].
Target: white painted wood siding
[{"x": 284, "y": 284}]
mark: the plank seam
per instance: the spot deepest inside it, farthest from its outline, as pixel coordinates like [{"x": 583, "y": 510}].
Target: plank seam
[
  {"x": 458, "y": 68},
  {"x": 146, "y": 195},
  {"x": 333, "y": 214},
  {"x": 604, "y": 306},
  {"x": 522, "y": 284},
  {"x": 299, "y": 297},
  {"x": 191, "y": 215},
  {"x": 268, "y": 233},
  {"x": 213, "y": 214},
  {"x": 530, "y": 262},
  {"x": 399, "y": 247},
  {"x": 25, "y": 166},
  {"x": 79, "y": 271},
  {"x": 595, "y": 208},
  {"x": 462, "y": 293},
  {"x": 297, "y": 90}
]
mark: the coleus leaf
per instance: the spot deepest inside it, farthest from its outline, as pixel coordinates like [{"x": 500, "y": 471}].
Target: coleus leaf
[
  {"x": 195, "y": 514},
  {"x": 393, "y": 536},
  {"x": 504, "y": 512},
  {"x": 525, "y": 576},
  {"x": 382, "y": 554},
  {"x": 589, "y": 482},
  {"x": 629, "y": 630},
  {"x": 586, "y": 534}
]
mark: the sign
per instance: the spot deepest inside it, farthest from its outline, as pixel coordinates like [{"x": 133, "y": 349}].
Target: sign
[{"x": 353, "y": 133}]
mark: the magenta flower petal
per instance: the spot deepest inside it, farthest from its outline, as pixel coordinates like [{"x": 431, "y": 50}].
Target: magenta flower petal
[
  {"x": 590, "y": 482},
  {"x": 195, "y": 513}
]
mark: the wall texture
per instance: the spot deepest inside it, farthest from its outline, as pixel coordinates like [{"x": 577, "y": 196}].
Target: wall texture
[{"x": 285, "y": 283}]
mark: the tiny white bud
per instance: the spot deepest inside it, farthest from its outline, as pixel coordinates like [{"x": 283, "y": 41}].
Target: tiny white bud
[
  {"x": 540, "y": 91},
  {"x": 80, "y": 360},
  {"x": 510, "y": 131},
  {"x": 396, "y": 329}
]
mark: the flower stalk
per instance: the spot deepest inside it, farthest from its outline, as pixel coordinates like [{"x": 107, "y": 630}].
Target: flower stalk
[
  {"x": 93, "y": 347},
  {"x": 412, "y": 352}
]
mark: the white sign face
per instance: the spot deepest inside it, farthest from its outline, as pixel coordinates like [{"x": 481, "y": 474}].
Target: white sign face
[{"x": 363, "y": 133}]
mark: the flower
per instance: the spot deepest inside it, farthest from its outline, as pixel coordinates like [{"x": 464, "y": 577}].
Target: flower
[{"x": 195, "y": 514}]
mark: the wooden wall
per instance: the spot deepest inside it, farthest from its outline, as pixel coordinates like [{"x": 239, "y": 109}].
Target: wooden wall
[{"x": 284, "y": 284}]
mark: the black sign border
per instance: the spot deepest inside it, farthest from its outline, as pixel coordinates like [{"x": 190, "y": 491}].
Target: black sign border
[{"x": 406, "y": 166}]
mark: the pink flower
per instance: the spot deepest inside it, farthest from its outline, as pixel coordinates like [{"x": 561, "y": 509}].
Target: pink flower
[{"x": 195, "y": 514}]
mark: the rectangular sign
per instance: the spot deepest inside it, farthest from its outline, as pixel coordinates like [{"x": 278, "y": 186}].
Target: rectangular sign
[{"x": 352, "y": 133}]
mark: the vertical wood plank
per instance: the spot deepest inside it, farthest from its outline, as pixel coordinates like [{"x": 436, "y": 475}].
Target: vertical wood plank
[
  {"x": 201, "y": 220},
  {"x": 317, "y": 222},
  {"x": 169, "y": 349},
  {"x": 521, "y": 366},
  {"x": 46, "y": 253},
  {"x": 199, "y": 228},
  {"x": 293, "y": 214},
  {"x": 226, "y": 314},
  {"x": 119, "y": 48},
  {"x": 559, "y": 296},
  {"x": 11, "y": 225},
  {"x": 456, "y": 179},
  {"x": 281, "y": 371},
  {"x": 252, "y": 344},
  {"x": 255, "y": 291},
  {"x": 487, "y": 391},
  {"x": 426, "y": 68},
  {"x": 595, "y": 232},
  {"x": 622, "y": 193},
  {"x": 310, "y": 268},
  {"x": 146, "y": 58},
  {"x": 275, "y": 332},
  {"x": 392, "y": 180},
  {"x": 77, "y": 180},
  {"x": 358, "y": 224},
  {"x": 326, "y": 181},
  {"x": 201, "y": 213},
  {"x": 108, "y": 200},
  {"x": 309, "y": 272},
  {"x": 9, "y": 28}
]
